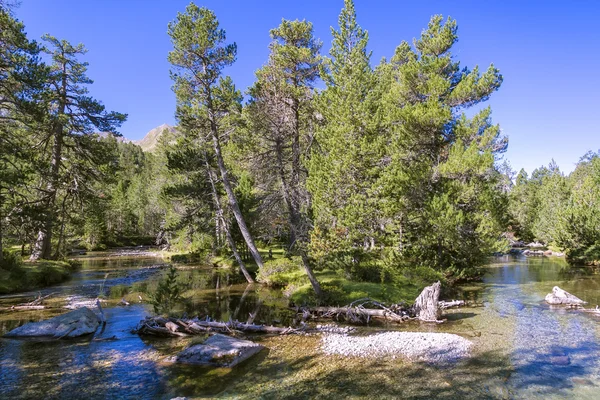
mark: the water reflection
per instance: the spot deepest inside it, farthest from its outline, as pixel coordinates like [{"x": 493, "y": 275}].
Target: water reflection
[{"x": 523, "y": 348}]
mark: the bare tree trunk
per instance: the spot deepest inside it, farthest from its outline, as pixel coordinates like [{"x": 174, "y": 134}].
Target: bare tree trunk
[
  {"x": 221, "y": 218},
  {"x": 235, "y": 208},
  {"x": 295, "y": 221}
]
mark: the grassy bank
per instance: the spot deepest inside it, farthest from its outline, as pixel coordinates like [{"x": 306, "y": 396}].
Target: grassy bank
[
  {"x": 17, "y": 275},
  {"x": 288, "y": 275}
]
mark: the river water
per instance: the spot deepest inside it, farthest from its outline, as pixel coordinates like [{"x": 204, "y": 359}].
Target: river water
[{"x": 522, "y": 348}]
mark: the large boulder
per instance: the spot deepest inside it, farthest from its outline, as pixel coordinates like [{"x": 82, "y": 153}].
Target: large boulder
[
  {"x": 82, "y": 321},
  {"x": 219, "y": 351},
  {"x": 559, "y": 296}
]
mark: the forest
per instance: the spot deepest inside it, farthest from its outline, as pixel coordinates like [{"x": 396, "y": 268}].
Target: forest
[{"x": 387, "y": 172}]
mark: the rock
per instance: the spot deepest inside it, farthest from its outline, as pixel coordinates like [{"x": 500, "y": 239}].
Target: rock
[
  {"x": 82, "y": 321},
  {"x": 559, "y": 296},
  {"x": 535, "y": 244},
  {"x": 560, "y": 360},
  {"x": 548, "y": 253},
  {"x": 218, "y": 350}
]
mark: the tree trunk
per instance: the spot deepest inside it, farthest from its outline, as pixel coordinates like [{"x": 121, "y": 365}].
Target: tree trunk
[
  {"x": 294, "y": 221},
  {"x": 43, "y": 244},
  {"x": 426, "y": 305},
  {"x": 1, "y": 248},
  {"x": 62, "y": 230},
  {"x": 221, "y": 218},
  {"x": 235, "y": 208}
]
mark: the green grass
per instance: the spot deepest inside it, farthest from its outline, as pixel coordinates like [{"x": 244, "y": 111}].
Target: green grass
[
  {"x": 20, "y": 276},
  {"x": 341, "y": 291}
]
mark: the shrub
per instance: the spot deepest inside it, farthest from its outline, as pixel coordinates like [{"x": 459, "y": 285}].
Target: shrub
[
  {"x": 11, "y": 262},
  {"x": 167, "y": 293},
  {"x": 119, "y": 291},
  {"x": 48, "y": 273},
  {"x": 141, "y": 287}
]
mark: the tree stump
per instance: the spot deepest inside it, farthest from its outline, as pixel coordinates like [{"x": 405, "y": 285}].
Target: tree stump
[{"x": 426, "y": 305}]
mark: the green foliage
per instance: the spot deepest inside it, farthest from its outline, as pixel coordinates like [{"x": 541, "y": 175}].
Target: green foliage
[
  {"x": 341, "y": 291},
  {"x": 167, "y": 293},
  {"x": 119, "y": 291},
  {"x": 561, "y": 211},
  {"x": 16, "y": 275},
  {"x": 280, "y": 272}
]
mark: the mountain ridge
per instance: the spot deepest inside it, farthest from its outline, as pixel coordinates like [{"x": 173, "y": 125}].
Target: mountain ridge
[{"x": 149, "y": 142}]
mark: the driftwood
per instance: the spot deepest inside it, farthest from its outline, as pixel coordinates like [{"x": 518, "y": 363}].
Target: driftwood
[
  {"x": 357, "y": 313},
  {"x": 427, "y": 308},
  {"x": 159, "y": 326},
  {"x": 450, "y": 304},
  {"x": 36, "y": 304},
  {"x": 22, "y": 308}
]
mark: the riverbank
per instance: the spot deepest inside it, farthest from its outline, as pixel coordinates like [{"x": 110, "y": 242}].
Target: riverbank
[{"x": 18, "y": 276}]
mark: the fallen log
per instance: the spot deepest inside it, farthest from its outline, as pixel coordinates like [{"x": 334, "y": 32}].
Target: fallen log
[
  {"x": 427, "y": 308},
  {"x": 159, "y": 326},
  {"x": 20, "y": 308},
  {"x": 450, "y": 304},
  {"x": 357, "y": 314}
]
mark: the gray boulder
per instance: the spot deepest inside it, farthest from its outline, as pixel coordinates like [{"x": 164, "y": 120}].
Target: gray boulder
[
  {"x": 559, "y": 296},
  {"x": 219, "y": 351},
  {"x": 82, "y": 321}
]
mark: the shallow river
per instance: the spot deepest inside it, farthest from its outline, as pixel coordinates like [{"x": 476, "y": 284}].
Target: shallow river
[{"x": 522, "y": 347}]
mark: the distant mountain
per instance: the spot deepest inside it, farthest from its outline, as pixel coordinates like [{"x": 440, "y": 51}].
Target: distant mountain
[{"x": 150, "y": 141}]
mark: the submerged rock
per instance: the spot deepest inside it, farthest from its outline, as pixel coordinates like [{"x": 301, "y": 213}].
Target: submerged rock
[
  {"x": 559, "y": 296},
  {"x": 218, "y": 350},
  {"x": 82, "y": 321}
]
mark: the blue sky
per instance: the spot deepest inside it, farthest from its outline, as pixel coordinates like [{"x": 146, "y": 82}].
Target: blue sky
[{"x": 548, "y": 52}]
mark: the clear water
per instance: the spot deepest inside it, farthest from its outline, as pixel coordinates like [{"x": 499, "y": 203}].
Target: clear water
[{"x": 522, "y": 347}]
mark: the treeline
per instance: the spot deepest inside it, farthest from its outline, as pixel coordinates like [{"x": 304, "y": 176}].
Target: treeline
[
  {"x": 376, "y": 171},
  {"x": 560, "y": 211},
  {"x": 50, "y": 157},
  {"x": 380, "y": 173}
]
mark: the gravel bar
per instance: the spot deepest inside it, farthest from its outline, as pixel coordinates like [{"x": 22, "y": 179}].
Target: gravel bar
[{"x": 416, "y": 346}]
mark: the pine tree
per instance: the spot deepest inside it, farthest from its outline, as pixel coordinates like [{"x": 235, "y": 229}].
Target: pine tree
[
  {"x": 22, "y": 77},
  {"x": 343, "y": 164},
  {"x": 72, "y": 117},
  {"x": 205, "y": 99},
  {"x": 281, "y": 116},
  {"x": 440, "y": 186}
]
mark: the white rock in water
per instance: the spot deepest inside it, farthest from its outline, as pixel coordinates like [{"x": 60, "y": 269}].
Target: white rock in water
[
  {"x": 82, "y": 321},
  {"x": 559, "y": 296},
  {"x": 218, "y": 350}
]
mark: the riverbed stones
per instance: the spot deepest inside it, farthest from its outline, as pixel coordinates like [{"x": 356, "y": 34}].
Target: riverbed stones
[
  {"x": 80, "y": 322},
  {"x": 219, "y": 351},
  {"x": 559, "y": 296},
  {"x": 416, "y": 346}
]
